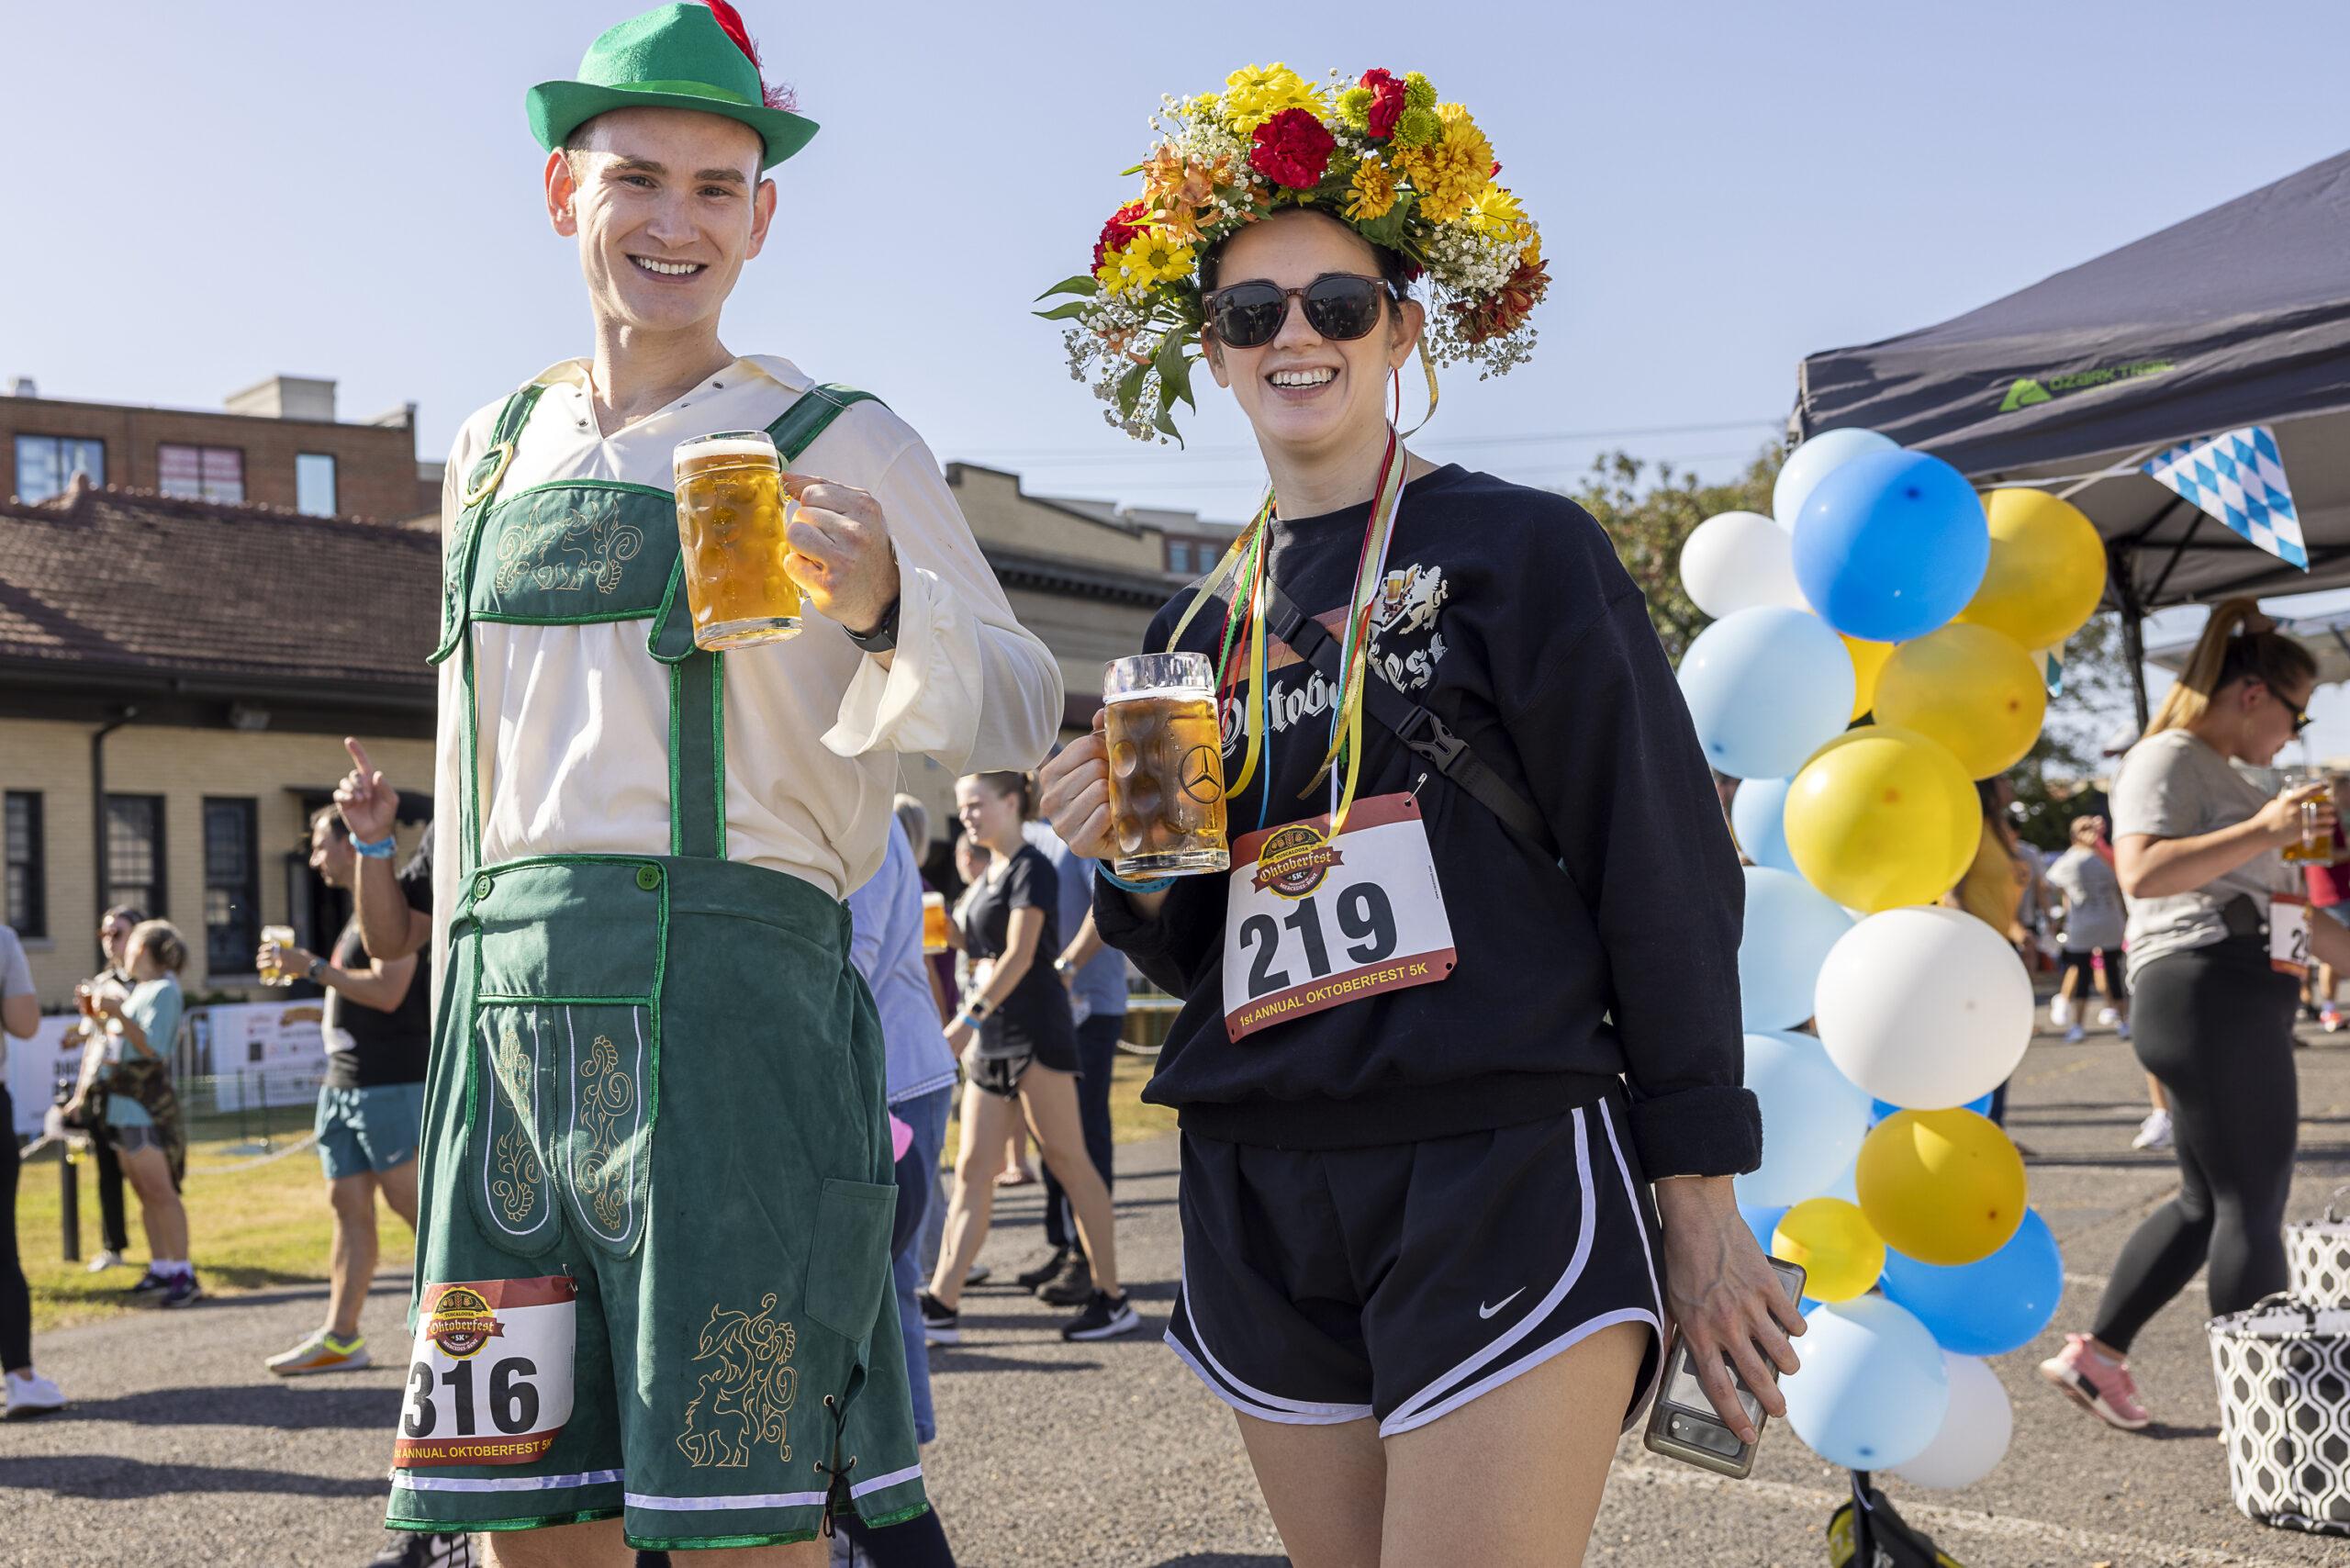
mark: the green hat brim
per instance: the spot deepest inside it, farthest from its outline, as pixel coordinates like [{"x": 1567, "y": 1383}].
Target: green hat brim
[{"x": 558, "y": 108}]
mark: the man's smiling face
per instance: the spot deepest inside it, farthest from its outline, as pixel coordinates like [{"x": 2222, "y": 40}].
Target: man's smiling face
[{"x": 668, "y": 204}]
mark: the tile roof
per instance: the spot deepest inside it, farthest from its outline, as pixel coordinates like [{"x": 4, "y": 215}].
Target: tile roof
[{"x": 130, "y": 581}]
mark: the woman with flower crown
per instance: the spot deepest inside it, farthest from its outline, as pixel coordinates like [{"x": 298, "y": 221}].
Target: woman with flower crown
[{"x": 1458, "y": 1063}]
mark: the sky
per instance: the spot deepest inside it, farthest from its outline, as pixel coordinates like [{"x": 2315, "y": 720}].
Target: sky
[{"x": 206, "y": 196}]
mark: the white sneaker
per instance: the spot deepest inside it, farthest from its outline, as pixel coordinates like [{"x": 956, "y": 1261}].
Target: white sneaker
[
  {"x": 2059, "y": 1014},
  {"x": 107, "y": 1258},
  {"x": 29, "y": 1394},
  {"x": 2154, "y": 1131},
  {"x": 2108, "y": 1016},
  {"x": 2076, "y": 1034}
]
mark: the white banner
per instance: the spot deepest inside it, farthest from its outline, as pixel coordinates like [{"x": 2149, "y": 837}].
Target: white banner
[
  {"x": 261, "y": 1053},
  {"x": 36, "y": 1065}
]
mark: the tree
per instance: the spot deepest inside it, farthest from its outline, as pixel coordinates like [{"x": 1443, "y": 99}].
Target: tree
[
  {"x": 1648, "y": 524},
  {"x": 2053, "y": 777}
]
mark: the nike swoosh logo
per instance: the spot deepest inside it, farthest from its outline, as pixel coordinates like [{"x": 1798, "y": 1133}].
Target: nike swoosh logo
[{"x": 1489, "y": 1311}]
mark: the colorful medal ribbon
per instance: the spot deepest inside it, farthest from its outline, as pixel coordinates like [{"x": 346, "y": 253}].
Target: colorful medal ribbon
[{"x": 1354, "y": 651}]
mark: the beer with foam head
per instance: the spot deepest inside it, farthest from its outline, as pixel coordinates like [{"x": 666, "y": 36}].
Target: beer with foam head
[
  {"x": 1166, "y": 766},
  {"x": 731, "y": 513},
  {"x": 283, "y": 936},
  {"x": 934, "y": 923}
]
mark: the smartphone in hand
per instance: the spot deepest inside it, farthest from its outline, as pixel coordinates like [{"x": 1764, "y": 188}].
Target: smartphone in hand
[{"x": 1683, "y": 1422}]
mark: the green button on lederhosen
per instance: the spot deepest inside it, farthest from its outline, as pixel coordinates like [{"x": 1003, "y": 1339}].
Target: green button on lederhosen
[
  {"x": 648, "y": 877},
  {"x": 481, "y": 887}
]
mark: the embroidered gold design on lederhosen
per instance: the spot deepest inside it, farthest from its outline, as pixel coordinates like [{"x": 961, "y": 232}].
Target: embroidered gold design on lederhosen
[
  {"x": 566, "y": 552},
  {"x": 607, "y": 1094},
  {"x": 513, "y": 1155},
  {"x": 745, "y": 1395}
]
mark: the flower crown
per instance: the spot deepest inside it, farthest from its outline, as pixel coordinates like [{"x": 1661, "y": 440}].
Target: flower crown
[{"x": 1381, "y": 156}]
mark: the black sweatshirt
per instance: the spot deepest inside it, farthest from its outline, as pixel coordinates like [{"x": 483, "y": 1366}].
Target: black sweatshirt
[{"x": 1518, "y": 626}]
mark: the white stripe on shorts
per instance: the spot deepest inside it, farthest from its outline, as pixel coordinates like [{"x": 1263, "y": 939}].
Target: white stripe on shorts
[
  {"x": 416, "y": 1482},
  {"x": 764, "y": 1499}
]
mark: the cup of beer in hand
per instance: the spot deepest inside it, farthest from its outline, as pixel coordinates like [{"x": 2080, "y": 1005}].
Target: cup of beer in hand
[
  {"x": 1166, "y": 766},
  {"x": 731, "y": 513},
  {"x": 934, "y": 923},
  {"x": 2316, "y": 844},
  {"x": 283, "y": 936}
]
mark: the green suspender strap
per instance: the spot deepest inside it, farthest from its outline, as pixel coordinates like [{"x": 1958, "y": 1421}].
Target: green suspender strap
[{"x": 698, "y": 679}]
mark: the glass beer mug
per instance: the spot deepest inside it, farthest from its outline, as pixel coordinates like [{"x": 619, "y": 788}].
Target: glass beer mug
[
  {"x": 1166, "y": 766},
  {"x": 283, "y": 936},
  {"x": 731, "y": 513}
]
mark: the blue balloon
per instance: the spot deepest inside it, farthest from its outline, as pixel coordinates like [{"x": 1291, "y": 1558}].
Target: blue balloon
[
  {"x": 1758, "y": 816},
  {"x": 1891, "y": 545},
  {"x": 1873, "y": 1387},
  {"x": 1813, "y": 1119},
  {"x": 1807, "y": 464},
  {"x": 1880, "y": 1109},
  {"x": 1766, "y": 687},
  {"x": 1790, "y": 926},
  {"x": 1988, "y": 1308}
]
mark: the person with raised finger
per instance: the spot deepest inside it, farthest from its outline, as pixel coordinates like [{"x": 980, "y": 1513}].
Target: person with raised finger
[
  {"x": 1458, "y": 1064},
  {"x": 652, "y": 1299}
]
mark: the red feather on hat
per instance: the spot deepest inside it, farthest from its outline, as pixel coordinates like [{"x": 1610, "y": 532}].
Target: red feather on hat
[{"x": 731, "y": 21}]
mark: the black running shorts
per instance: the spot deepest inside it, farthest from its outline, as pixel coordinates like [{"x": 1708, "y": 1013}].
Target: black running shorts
[{"x": 1401, "y": 1282}]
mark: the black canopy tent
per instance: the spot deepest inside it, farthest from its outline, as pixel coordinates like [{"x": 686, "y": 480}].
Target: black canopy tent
[{"x": 2237, "y": 316}]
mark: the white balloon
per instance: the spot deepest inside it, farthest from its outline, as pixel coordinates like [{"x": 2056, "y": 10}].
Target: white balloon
[
  {"x": 1807, "y": 464},
  {"x": 1974, "y": 1433},
  {"x": 1813, "y": 1120},
  {"x": 1737, "y": 560},
  {"x": 1925, "y": 1007}
]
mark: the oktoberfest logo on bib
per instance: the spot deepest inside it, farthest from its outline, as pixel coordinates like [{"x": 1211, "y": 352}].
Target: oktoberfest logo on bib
[
  {"x": 1315, "y": 920},
  {"x": 490, "y": 1381}
]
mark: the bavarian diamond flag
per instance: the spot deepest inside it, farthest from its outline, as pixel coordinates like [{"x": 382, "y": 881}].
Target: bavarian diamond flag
[{"x": 2238, "y": 478}]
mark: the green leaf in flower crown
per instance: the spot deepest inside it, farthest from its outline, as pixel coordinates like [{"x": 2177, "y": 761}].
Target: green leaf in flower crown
[
  {"x": 1075, "y": 308},
  {"x": 1130, "y": 389},
  {"x": 1165, "y": 423},
  {"x": 1083, "y": 283},
  {"x": 1387, "y": 229}
]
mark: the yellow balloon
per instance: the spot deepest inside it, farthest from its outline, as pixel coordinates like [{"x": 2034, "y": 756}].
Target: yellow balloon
[
  {"x": 1940, "y": 1186},
  {"x": 1974, "y": 689},
  {"x": 1868, "y": 659},
  {"x": 1882, "y": 817},
  {"x": 2046, "y": 573},
  {"x": 1841, "y": 1252}
]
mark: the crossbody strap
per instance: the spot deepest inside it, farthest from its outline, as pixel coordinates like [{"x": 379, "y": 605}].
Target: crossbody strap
[
  {"x": 480, "y": 495},
  {"x": 1417, "y": 727}
]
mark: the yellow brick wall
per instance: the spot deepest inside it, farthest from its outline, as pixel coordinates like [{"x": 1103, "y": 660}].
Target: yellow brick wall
[{"x": 184, "y": 766}]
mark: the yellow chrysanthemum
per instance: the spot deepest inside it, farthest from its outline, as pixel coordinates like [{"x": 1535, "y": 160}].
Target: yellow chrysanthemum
[
  {"x": 1497, "y": 213},
  {"x": 1151, "y": 258},
  {"x": 1450, "y": 172},
  {"x": 1373, "y": 194},
  {"x": 1254, "y": 95}
]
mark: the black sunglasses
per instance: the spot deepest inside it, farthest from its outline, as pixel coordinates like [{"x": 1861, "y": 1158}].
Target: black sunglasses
[{"x": 1340, "y": 306}]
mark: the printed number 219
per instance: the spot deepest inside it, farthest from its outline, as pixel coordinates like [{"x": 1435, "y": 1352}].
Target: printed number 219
[{"x": 1364, "y": 915}]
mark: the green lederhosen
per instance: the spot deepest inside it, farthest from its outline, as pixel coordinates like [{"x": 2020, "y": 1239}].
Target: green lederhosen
[{"x": 737, "y": 1365}]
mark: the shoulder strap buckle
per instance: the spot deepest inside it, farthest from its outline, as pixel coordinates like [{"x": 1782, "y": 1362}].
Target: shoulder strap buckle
[
  {"x": 496, "y": 461},
  {"x": 1439, "y": 744}
]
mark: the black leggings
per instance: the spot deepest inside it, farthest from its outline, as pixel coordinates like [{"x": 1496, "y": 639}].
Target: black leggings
[
  {"x": 2215, "y": 1025},
  {"x": 16, "y": 1300}
]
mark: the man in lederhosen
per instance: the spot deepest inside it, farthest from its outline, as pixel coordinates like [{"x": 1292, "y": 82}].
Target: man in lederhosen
[{"x": 653, "y": 1251}]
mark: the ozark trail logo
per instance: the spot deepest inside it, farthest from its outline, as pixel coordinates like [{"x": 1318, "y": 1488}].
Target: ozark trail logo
[
  {"x": 2027, "y": 390},
  {"x": 462, "y": 1322},
  {"x": 570, "y": 552},
  {"x": 1295, "y": 861}
]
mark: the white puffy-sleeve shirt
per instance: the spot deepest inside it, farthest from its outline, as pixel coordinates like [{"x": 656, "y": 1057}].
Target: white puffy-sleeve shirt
[{"x": 813, "y": 725}]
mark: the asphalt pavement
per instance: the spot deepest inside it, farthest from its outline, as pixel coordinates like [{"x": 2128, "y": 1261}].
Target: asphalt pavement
[{"x": 181, "y": 1450}]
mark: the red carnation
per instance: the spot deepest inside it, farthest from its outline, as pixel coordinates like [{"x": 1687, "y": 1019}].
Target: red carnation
[
  {"x": 1387, "y": 102},
  {"x": 1292, "y": 149},
  {"x": 1119, "y": 232}
]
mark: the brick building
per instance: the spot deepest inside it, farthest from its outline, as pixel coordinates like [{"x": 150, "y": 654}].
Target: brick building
[{"x": 277, "y": 443}]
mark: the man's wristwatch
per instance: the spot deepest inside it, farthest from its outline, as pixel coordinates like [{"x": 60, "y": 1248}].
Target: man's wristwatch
[
  {"x": 317, "y": 967},
  {"x": 883, "y": 637}
]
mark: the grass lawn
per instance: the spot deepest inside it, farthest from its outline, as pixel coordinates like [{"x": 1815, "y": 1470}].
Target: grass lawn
[{"x": 255, "y": 1227}]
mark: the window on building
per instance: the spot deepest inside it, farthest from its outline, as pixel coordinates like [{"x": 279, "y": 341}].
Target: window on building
[
  {"x": 231, "y": 886},
  {"x": 47, "y": 463},
  {"x": 1179, "y": 557},
  {"x": 314, "y": 484},
  {"x": 135, "y": 852},
  {"x": 28, "y": 905},
  {"x": 201, "y": 473}
]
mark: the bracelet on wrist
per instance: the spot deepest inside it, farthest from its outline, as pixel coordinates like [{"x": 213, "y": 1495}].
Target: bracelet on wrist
[
  {"x": 382, "y": 850},
  {"x": 1156, "y": 885}
]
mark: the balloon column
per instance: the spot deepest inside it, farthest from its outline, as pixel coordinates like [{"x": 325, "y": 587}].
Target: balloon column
[{"x": 1883, "y": 588}]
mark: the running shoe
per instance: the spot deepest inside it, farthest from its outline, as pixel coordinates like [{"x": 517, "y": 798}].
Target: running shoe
[
  {"x": 978, "y": 1276},
  {"x": 321, "y": 1353},
  {"x": 29, "y": 1394},
  {"x": 182, "y": 1291},
  {"x": 1044, "y": 1271},
  {"x": 1105, "y": 1317},
  {"x": 2107, "y": 1017},
  {"x": 941, "y": 1324},
  {"x": 149, "y": 1283},
  {"x": 2101, "y": 1386},
  {"x": 107, "y": 1258},
  {"x": 2076, "y": 1034},
  {"x": 1073, "y": 1286},
  {"x": 415, "y": 1549},
  {"x": 2060, "y": 1013},
  {"x": 2329, "y": 1018},
  {"x": 2154, "y": 1131}
]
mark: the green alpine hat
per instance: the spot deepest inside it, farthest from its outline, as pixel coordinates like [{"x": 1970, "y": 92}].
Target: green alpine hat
[{"x": 678, "y": 57}]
